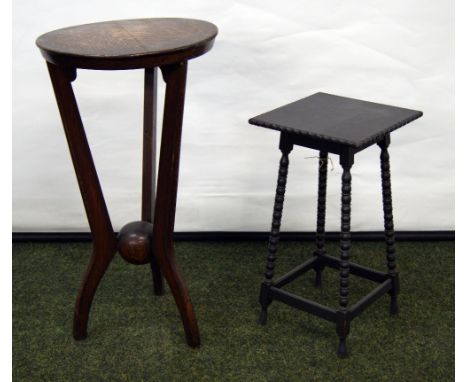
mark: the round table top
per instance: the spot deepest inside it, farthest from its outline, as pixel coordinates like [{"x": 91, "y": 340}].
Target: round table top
[{"x": 128, "y": 44}]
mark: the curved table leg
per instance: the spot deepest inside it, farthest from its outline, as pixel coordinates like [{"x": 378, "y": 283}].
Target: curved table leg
[
  {"x": 100, "y": 259},
  {"x": 175, "y": 78},
  {"x": 104, "y": 242}
]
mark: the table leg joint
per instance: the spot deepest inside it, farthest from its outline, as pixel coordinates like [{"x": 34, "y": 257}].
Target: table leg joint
[{"x": 371, "y": 297}]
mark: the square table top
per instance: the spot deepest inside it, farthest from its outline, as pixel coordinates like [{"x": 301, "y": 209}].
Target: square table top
[{"x": 337, "y": 119}]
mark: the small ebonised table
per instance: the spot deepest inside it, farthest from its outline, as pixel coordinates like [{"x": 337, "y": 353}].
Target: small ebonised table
[
  {"x": 342, "y": 126},
  {"x": 167, "y": 43}
]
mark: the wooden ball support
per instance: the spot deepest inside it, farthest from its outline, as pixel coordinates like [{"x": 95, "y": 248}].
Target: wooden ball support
[
  {"x": 146, "y": 44},
  {"x": 134, "y": 242}
]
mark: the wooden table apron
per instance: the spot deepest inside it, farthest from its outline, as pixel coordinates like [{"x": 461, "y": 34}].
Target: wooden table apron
[{"x": 138, "y": 242}]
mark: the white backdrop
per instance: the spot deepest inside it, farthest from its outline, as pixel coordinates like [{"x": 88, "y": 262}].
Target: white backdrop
[{"x": 267, "y": 53}]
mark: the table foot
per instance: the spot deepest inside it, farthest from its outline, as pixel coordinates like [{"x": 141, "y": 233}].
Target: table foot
[
  {"x": 342, "y": 349},
  {"x": 173, "y": 276},
  {"x": 265, "y": 302},
  {"x": 97, "y": 266},
  {"x": 394, "y": 309},
  {"x": 262, "y": 319}
]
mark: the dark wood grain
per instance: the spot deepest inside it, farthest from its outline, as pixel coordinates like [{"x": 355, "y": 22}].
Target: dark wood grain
[
  {"x": 128, "y": 44},
  {"x": 104, "y": 242},
  {"x": 134, "y": 242},
  {"x": 148, "y": 193},
  {"x": 166, "y": 198},
  {"x": 149, "y": 144}
]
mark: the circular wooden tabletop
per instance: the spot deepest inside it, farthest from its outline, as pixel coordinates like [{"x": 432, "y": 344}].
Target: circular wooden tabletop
[{"x": 128, "y": 44}]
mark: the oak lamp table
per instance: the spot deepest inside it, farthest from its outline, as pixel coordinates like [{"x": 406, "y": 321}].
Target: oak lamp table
[
  {"x": 165, "y": 43},
  {"x": 342, "y": 126}
]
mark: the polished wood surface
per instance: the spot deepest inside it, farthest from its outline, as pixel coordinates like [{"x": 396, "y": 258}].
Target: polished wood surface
[
  {"x": 128, "y": 44},
  {"x": 104, "y": 241},
  {"x": 175, "y": 77},
  {"x": 134, "y": 242},
  {"x": 166, "y": 44},
  {"x": 148, "y": 189}
]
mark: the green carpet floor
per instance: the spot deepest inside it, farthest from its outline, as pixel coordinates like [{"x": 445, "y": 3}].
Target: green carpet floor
[{"x": 136, "y": 336}]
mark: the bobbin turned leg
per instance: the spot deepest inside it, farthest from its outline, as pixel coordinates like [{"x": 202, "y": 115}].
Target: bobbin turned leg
[
  {"x": 175, "y": 77},
  {"x": 265, "y": 300},
  {"x": 149, "y": 166},
  {"x": 388, "y": 219},
  {"x": 104, "y": 242},
  {"x": 343, "y": 317},
  {"x": 321, "y": 213}
]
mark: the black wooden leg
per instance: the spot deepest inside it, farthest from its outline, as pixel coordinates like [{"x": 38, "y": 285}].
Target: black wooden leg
[
  {"x": 321, "y": 212},
  {"x": 388, "y": 218},
  {"x": 265, "y": 300},
  {"x": 343, "y": 318}
]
